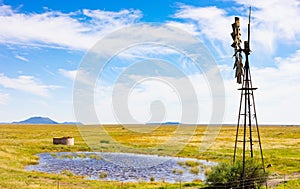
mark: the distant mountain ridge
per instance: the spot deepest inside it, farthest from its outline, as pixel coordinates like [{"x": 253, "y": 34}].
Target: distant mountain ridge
[
  {"x": 71, "y": 123},
  {"x": 165, "y": 123},
  {"x": 41, "y": 120}
]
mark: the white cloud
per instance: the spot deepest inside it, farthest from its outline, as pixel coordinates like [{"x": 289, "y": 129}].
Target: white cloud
[
  {"x": 155, "y": 99},
  {"x": 4, "y": 97},
  {"x": 5, "y": 10},
  {"x": 211, "y": 23},
  {"x": 27, "y": 84},
  {"x": 82, "y": 77},
  {"x": 59, "y": 29},
  {"x": 71, "y": 74},
  {"x": 279, "y": 89},
  {"x": 104, "y": 20},
  {"x": 22, "y": 58},
  {"x": 276, "y": 98},
  {"x": 273, "y": 23},
  {"x": 277, "y": 95},
  {"x": 276, "y": 15},
  {"x": 188, "y": 27}
]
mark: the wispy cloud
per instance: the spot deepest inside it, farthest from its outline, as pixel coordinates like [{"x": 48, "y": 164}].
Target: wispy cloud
[
  {"x": 22, "y": 58},
  {"x": 108, "y": 20},
  {"x": 70, "y": 74},
  {"x": 188, "y": 27},
  {"x": 210, "y": 23},
  {"x": 82, "y": 76},
  {"x": 59, "y": 29},
  {"x": 27, "y": 84}
]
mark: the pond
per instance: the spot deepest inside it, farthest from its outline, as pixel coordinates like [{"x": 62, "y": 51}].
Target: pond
[{"x": 123, "y": 167}]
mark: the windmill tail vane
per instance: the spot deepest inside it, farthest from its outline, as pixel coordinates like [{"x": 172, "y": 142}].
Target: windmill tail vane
[
  {"x": 236, "y": 36},
  {"x": 238, "y": 66}
]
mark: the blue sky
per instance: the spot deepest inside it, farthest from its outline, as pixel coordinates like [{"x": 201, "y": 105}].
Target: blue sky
[{"x": 42, "y": 44}]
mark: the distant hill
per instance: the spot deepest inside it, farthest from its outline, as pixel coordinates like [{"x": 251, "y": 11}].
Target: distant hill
[
  {"x": 165, "y": 123},
  {"x": 171, "y": 123},
  {"x": 43, "y": 120},
  {"x": 71, "y": 123},
  {"x": 37, "y": 120}
]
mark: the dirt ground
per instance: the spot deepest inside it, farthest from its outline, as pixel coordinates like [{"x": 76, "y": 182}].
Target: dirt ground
[{"x": 280, "y": 179}]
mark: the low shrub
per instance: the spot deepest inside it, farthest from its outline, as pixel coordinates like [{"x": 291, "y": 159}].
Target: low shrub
[{"x": 228, "y": 175}]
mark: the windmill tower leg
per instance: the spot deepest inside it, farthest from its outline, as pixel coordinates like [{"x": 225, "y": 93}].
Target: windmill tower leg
[{"x": 247, "y": 112}]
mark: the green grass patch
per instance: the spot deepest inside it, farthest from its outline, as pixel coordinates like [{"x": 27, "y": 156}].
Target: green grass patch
[
  {"x": 102, "y": 175},
  {"x": 95, "y": 156},
  {"x": 195, "y": 170},
  {"x": 104, "y": 141},
  {"x": 191, "y": 163},
  {"x": 291, "y": 184}
]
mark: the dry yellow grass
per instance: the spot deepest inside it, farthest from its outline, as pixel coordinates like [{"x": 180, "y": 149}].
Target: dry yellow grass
[{"x": 19, "y": 145}]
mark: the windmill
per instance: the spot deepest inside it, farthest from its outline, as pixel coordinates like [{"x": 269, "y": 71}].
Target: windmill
[{"x": 247, "y": 123}]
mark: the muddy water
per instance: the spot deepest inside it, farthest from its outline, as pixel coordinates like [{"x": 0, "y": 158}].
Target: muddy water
[{"x": 122, "y": 166}]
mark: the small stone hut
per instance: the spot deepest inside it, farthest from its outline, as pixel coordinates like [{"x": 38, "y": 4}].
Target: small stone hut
[{"x": 64, "y": 140}]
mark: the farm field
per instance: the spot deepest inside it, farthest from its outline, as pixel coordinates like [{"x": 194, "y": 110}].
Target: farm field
[{"x": 19, "y": 145}]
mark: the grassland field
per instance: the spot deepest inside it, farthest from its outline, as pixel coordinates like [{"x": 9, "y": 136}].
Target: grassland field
[{"x": 19, "y": 145}]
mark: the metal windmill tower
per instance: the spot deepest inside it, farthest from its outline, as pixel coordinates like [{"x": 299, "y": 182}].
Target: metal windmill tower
[{"x": 247, "y": 123}]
